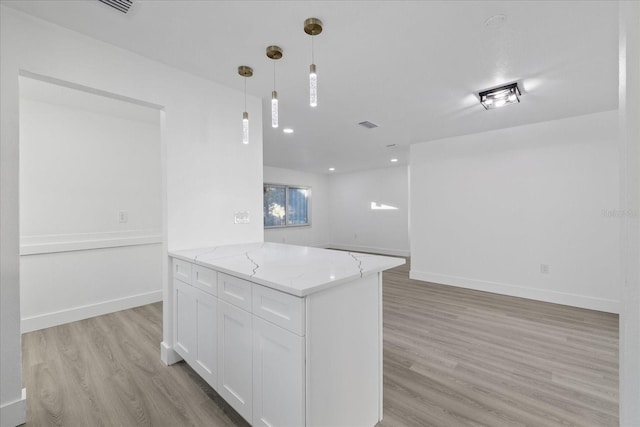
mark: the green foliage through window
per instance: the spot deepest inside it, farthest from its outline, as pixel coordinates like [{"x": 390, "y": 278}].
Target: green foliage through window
[{"x": 286, "y": 205}]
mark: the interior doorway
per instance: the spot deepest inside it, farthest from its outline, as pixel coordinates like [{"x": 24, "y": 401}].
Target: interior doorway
[{"x": 92, "y": 198}]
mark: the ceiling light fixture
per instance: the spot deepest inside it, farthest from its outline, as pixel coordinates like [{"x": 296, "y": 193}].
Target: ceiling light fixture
[
  {"x": 274, "y": 53},
  {"x": 287, "y": 130},
  {"x": 500, "y": 96},
  {"x": 119, "y": 5},
  {"x": 245, "y": 71},
  {"x": 394, "y": 160},
  {"x": 367, "y": 124},
  {"x": 332, "y": 169},
  {"x": 313, "y": 27}
]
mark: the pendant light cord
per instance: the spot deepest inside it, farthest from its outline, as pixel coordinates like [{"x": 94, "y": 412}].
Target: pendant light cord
[
  {"x": 312, "y": 60},
  {"x": 274, "y": 75},
  {"x": 245, "y": 93}
]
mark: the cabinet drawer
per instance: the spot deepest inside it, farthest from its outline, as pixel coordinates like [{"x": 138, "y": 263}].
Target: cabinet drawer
[
  {"x": 205, "y": 279},
  {"x": 182, "y": 270},
  {"x": 279, "y": 308},
  {"x": 235, "y": 291}
]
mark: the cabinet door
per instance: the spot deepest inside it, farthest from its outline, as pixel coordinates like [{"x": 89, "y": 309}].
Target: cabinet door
[
  {"x": 278, "y": 376},
  {"x": 184, "y": 327},
  {"x": 205, "y": 356},
  {"x": 234, "y": 358}
]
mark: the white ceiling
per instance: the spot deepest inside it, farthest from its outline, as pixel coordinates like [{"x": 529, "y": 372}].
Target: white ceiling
[{"x": 412, "y": 67}]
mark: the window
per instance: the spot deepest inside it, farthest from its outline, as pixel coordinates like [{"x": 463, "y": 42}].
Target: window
[{"x": 286, "y": 206}]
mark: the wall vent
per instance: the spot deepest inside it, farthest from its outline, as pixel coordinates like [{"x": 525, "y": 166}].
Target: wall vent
[
  {"x": 368, "y": 124},
  {"x": 120, "y": 5}
]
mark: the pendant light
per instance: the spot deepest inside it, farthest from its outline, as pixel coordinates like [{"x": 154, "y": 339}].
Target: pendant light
[
  {"x": 245, "y": 71},
  {"x": 313, "y": 27},
  {"x": 274, "y": 53}
]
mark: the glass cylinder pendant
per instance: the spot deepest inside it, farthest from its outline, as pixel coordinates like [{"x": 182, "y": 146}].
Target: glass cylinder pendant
[
  {"x": 274, "y": 109},
  {"x": 313, "y": 86},
  {"x": 245, "y": 128}
]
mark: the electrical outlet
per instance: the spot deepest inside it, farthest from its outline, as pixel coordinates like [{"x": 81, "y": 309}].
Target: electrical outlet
[
  {"x": 544, "y": 268},
  {"x": 123, "y": 216},
  {"x": 241, "y": 217}
]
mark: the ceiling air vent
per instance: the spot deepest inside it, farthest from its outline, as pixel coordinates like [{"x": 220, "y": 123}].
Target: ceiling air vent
[
  {"x": 121, "y": 5},
  {"x": 368, "y": 124}
]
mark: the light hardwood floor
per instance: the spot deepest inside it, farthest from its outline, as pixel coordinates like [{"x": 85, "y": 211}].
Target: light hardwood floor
[
  {"x": 452, "y": 357},
  {"x": 457, "y": 357}
]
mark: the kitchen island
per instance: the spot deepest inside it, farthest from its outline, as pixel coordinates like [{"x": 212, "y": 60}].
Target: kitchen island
[{"x": 287, "y": 335}]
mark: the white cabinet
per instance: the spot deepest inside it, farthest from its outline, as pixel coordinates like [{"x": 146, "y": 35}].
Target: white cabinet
[
  {"x": 184, "y": 321},
  {"x": 278, "y": 376},
  {"x": 182, "y": 270},
  {"x": 260, "y": 365},
  {"x": 205, "y": 279},
  {"x": 195, "y": 324},
  {"x": 279, "y": 308},
  {"x": 206, "y": 356},
  {"x": 235, "y": 291},
  {"x": 235, "y": 358},
  {"x": 278, "y": 359}
]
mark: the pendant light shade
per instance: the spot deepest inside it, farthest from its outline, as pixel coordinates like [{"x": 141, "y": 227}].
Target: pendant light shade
[
  {"x": 313, "y": 86},
  {"x": 274, "y": 109},
  {"x": 274, "y": 53},
  {"x": 313, "y": 27},
  {"x": 245, "y": 71},
  {"x": 245, "y": 128}
]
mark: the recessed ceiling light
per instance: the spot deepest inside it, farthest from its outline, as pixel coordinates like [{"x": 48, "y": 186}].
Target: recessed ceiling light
[
  {"x": 332, "y": 169},
  {"x": 394, "y": 160},
  {"x": 287, "y": 130},
  {"x": 500, "y": 96}
]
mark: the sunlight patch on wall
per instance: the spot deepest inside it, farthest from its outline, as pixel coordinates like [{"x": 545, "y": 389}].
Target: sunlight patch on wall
[{"x": 379, "y": 206}]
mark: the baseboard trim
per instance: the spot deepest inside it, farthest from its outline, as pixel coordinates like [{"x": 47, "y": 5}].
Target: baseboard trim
[
  {"x": 168, "y": 355},
  {"x": 574, "y": 300},
  {"x": 48, "y": 320},
  {"x": 370, "y": 249},
  {"x": 15, "y": 413}
]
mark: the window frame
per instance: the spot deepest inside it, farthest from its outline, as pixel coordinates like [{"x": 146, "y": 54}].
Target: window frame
[{"x": 286, "y": 204}]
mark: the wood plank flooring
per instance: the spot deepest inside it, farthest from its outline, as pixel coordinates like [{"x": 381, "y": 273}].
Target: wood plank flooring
[
  {"x": 457, "y": 357},
  {"x": 452, "y": 357},
  {"x": 106, "y": 371}
]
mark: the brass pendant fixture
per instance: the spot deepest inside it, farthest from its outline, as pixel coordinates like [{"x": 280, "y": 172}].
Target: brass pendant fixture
[
  {"x": 274, "y": 53},
  {"x": 313, "y": 27},
  {"x": 245, "y": 71}
]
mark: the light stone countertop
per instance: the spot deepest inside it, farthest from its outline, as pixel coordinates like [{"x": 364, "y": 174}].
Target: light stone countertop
[{"x": 297, "y": 270}]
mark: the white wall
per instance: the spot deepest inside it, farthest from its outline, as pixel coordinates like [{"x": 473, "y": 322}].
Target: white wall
[
  {"x": 341, "y": 210},
  {"x": 62, "y": 287},
  {"x": 209, "y": 173},
  {"x": 79, "y": 168},
  {"x": 355, "y": 226},
  {"x": 630, "y": 207},
  {"x": 488, "y": 209},
  {"x": 83, "y": 159},
  {"x": 318, "y": 233}
]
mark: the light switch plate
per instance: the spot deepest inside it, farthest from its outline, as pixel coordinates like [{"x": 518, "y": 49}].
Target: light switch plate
[{"x": 241, "y": 217}]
